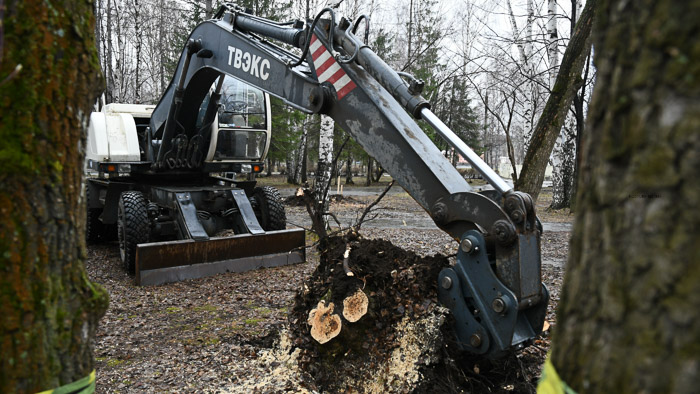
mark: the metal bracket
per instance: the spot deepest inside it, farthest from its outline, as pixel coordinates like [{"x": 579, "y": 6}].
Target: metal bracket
[
  {"x": 481, "y": 290},
  {"x": 459, "y": 212},
  {"x": 247, "y": 212},
  {"x": 189, "y": 222},
  {"x": 488, "y": 318}
]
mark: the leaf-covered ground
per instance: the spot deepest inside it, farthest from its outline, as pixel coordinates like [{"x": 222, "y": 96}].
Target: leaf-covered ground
[{"x": 222, "y": 334}]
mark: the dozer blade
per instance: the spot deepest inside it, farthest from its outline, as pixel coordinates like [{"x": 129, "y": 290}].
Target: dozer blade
[{"x": 172, "y": 261}]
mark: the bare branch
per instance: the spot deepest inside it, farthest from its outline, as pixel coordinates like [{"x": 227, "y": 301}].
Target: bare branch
[{"x": 357, "y": 226}]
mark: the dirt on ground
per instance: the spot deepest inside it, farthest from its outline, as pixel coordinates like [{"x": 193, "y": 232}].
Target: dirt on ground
[
  {"x": 396, "y": 283},
  {"x": 231, "y": 332}
]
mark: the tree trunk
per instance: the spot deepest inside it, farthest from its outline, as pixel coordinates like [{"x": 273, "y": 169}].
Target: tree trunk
[
  {"x": 562, "y": 169},
  {"x": 161, "y": 44},
  {"x": 629, "y": 316},
  {"x": 554, "y": 113},
  {"x": 208, "y": 9},
  {"x": 325, "y": 160},
  {"x": 304, "y": 155},
  {"x": 139, "y": 40},
  {"x": 370, "y": 161},
  {"x": 109, "y": 89},
  {"x": 530, "y": 97},
  {"x": 578, "y": 111},
  {"x": 348, "y": 171},
  {"x": 49, "y": 308},
  {"x": 291, "y": 167},
  {"x": 563, "y": 159},
  {"x": 552, "y": 41}
]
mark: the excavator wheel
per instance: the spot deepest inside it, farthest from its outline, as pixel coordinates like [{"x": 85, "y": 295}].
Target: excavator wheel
[
  {"x": 132, "y": 226},
  {"x": 269, "y": 209}
]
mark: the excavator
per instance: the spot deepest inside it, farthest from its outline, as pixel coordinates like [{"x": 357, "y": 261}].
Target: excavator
[{"x": 169, "y": 205}]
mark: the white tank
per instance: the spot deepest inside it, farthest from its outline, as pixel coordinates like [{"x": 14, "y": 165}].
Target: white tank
[{"x": 112, "y": 133}]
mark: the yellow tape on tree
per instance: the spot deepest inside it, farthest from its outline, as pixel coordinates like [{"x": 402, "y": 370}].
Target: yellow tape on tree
[
  {"x": 550, "y": 382},
  {"x": 85, "y": 385}
]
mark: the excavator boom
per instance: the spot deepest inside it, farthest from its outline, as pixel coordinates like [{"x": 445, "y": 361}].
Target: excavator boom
[{"x": 494, "y": 290}]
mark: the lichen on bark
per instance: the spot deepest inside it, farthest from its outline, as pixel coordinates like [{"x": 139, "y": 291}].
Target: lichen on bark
[
  {"x": 629, "y": 316},
  {"x": 49, "y": 307}
]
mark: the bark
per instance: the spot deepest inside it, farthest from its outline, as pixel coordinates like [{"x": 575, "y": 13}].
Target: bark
[
  {"x": 208, "y": 9},
  {"x": 629, "y": 317},
  {"x": 566, "y": 155},
  {"x": 109, "y": 90},
  {"x": 304, "y": 156},
  {"x": 368, "y": 181},
  {"x": 290, "y": 167},
  {"x": 325, "y": 162},
  {"x": 514, "y": 26},
  {"x": 161, "y": 45},
  {"x": 529, "y": 102},
  {"x": 578, "y": 110},
  {"x": 554, "y": 113},
  {"x": 562, "y": 168},
  {"x": 552, "y": 41},
  {"x": 49, "y": 308},
  {"x": 139, "y": 41},
  {"x": 486, "y": 138},
  {"x": 348, "y": 171},
  {"x": 325, "y": 158},
  {"x": 563, "y": 159}
]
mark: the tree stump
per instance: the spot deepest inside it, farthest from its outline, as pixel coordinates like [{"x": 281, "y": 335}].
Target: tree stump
[{"x": 357, "y": 322}]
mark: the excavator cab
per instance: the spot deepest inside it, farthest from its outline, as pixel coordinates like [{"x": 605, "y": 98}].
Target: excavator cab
[{"x": 242, "y": 127}]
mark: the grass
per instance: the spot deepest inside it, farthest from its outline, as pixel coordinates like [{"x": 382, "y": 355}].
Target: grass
[
  {"x": 205, "y": 308},
  {"x": 263, "y": 310},
  {"x": 115, "y": 362}
]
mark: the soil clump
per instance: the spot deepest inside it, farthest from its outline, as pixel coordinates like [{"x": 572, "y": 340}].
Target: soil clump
[{"x": 405, "y": 342}]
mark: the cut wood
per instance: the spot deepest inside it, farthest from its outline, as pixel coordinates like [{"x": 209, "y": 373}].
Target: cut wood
[
  {"x": 346, "y": 261},
  {"x": 355, "y": 306},
  {"x": 325, "y": 325}
]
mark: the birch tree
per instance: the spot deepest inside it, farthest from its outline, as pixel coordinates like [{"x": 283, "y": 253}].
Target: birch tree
[
  {"x": 325, "y": 158},
  {"x": 553, "y": 116},
  {"x": 564, "y": 155},
  {"x": 525, "y": 50}
]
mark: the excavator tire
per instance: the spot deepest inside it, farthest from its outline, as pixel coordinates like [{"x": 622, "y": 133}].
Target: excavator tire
[
  {"x": 270, "y": 211},
  {"x": 132, "y": 226},
  {"x": 93, "y": 225}
]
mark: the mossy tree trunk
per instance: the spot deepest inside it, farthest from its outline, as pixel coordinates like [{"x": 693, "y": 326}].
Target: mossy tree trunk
[
  {"x": 49, "y": 308},
  {"x": 549, "y": 124},
  {"x": 629, "y": 316}
]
